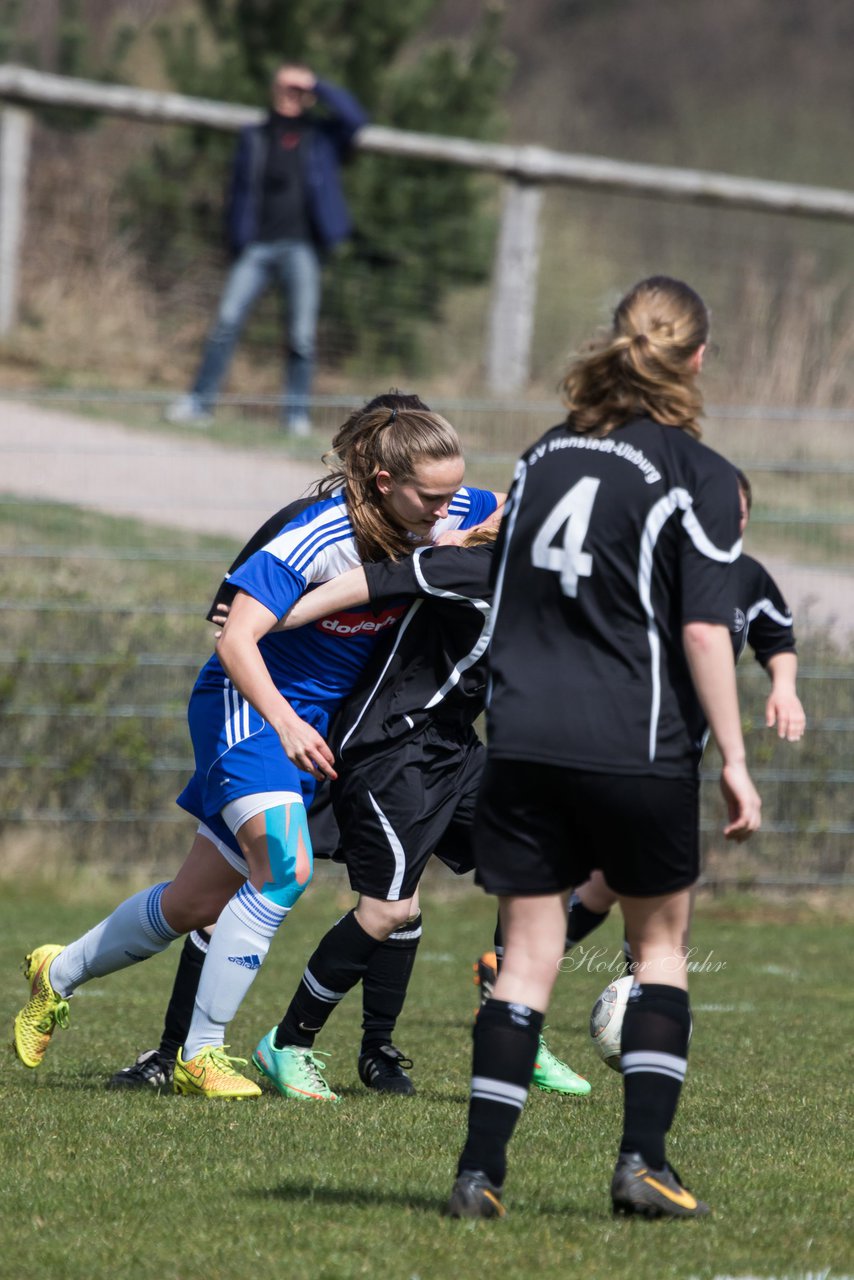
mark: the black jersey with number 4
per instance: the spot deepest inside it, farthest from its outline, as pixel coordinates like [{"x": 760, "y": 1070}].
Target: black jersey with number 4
[{"x": 608, "y": 546}]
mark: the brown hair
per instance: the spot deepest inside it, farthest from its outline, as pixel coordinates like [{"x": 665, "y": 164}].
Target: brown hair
[
  {"x": 644, "y": 366},
  {"x": 746, "y": 488},
  {"x": 388, "y": 438}
]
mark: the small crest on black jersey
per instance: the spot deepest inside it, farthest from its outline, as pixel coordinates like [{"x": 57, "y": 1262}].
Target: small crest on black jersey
[{"x": 738, "y": 621}]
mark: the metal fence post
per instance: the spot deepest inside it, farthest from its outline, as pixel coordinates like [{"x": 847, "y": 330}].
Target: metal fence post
[
  {"x": 514, "y": 288},
  {"x": 15, "y": 132}
]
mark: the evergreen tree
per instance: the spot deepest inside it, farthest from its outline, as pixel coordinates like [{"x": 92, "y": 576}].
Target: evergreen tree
[
  {"x": 71, "y": 54},
  {"x": 421, "y": 227}
]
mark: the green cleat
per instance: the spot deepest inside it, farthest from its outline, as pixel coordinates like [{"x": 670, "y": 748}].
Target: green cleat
[
  {"x": 211, "y": 1074},
  {"x": 553, "y": 1076},
  {"x": 294, "y": 1071},
  {"x": 44, "y": 1010}
]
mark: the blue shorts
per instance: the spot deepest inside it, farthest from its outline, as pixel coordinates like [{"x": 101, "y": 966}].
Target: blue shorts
[{"x": 238, "y": 754}]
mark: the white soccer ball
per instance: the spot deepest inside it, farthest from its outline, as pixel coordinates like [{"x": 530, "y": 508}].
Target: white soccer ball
[{"x": 606, "y": 1020}]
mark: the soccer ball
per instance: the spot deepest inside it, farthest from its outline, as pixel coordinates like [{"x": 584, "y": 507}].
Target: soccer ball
[{"x": 606, "y": 1020}]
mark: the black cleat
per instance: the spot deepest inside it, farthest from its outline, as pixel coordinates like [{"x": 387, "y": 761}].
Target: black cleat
[
  {"x": 636, "y": 1188},
  {"x": 485, "y": 970},
  {"x": 150, "y": 1071},
  {"x": 474, "y": 1196},
  {"x": 382, "y": 1069}
]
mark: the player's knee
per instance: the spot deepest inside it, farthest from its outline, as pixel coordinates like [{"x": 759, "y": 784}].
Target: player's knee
[
  {"x": 191, "y": 907},
  {"x": 380, "y": 918},
  {"x": 289, "y": 853}
]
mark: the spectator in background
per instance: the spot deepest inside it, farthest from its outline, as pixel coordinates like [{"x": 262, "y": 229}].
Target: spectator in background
[{"x": 285, "y": 209}]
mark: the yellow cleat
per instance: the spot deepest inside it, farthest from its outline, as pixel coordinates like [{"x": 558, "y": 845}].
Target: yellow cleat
[
  {"x": 210, "y": 1074},
  {"x": 44, "y": 1010}
]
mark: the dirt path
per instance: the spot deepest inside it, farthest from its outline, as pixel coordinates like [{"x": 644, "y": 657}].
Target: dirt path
[
  {"x": 166, "y": 480},
  {"x": 196, "y": 484}
]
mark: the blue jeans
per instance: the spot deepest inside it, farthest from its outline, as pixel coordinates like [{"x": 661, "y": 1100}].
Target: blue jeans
[{"x": 295, "y": 267}]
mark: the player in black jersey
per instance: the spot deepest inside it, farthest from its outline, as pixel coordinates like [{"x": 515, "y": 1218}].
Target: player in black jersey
[
  {"x": 610, "y": 653},
  {"x": 763, "y": 620}
]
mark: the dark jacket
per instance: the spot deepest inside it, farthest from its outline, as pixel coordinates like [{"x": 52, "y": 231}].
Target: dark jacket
[{"x": 328, "y": 143}]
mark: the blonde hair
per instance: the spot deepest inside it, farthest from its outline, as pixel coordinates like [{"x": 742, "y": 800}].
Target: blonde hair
[
  {"x": 482, "y": 535},
  {"x": 645, "y": 365},
  {"x": 375, "y": 440}
]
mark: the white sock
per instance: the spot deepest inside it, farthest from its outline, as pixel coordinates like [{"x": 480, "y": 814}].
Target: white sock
[
  {"x": 136, "y": 930},
  {"x": 236, "y": 952}
]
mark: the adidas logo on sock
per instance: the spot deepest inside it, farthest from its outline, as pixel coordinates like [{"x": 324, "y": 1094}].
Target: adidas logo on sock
[{"x": 246, "y": 962}]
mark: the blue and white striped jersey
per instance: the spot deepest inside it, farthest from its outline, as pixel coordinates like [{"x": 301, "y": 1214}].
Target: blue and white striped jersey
[{"x": 317, "y": 665}]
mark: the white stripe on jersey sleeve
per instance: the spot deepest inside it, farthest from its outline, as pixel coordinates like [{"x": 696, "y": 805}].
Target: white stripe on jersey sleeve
[
  {"x": 765, "y": 606},
  {"x": 482, "y": 641},
  {"x": 676, "y": 500},
  {"x": 700, "y": 538},
  {"x": 319, "y": 548}
]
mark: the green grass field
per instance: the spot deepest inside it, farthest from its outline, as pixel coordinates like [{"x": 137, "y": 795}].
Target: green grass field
[{"x": 96, "y": 1184}]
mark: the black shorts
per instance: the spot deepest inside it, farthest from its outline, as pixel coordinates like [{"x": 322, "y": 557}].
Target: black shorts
[
  {"x": 322, "y": 827},
  {"x": 541, "y": 829},
  {"x": 397, "y": 809}
]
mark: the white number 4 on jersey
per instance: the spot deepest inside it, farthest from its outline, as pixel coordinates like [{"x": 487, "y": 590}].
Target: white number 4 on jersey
[{"x": 572, "y": 514}]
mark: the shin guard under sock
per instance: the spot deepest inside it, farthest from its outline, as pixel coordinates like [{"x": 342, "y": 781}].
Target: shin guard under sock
[
  {"x": 653, "y": 1061},
  {"x": 136, "y": 930},
  {"x": 340, "y": 961},
  {"x": 385, "y": 984},
  {"x": 506, "y": 1037},
  {"x": 239, "y": 946}
]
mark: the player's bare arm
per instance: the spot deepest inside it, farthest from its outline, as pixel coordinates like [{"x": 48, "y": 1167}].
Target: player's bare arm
[
  {"x": 237, "y": 649},
  {"x": 783, "y": 706},
  {"x": 344, "y": 592},
  {"x": 708, "y": 650}
]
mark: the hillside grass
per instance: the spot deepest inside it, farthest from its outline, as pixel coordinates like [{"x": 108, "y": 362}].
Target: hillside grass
[{"x": 96, "y": 1184}]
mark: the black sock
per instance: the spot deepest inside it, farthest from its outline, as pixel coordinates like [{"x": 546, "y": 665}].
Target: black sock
[
  {"x": 334, "y": 969},
  {"x": 179, "y": 1011},
  {"x": 385, "y": 983},
  {"x": 581, "y": 921},
  {"x": 506, "y": 1037},
  {"x": 653, "y": 1059}
]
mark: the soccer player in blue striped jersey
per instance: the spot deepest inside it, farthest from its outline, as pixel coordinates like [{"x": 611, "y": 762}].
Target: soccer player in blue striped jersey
[{"x": 258, "y": 717}]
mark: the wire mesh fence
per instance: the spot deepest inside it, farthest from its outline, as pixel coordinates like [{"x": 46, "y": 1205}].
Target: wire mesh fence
[
  {"x": 114, "y": 530},
  {"x": 103, "y": 599}
]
